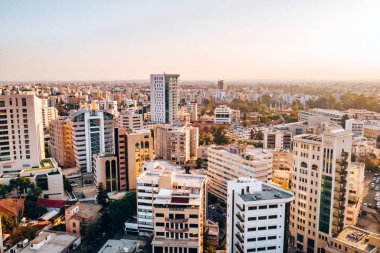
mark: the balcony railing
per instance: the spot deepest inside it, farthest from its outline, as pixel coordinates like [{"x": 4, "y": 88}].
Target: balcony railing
[
  {"x": 240, "y": 237},
  {"x": 177, "y": 220},
  {"x": 239, "y": 247},
  {"x": 240, "y": 227},
  {"x": 240, "y": 217},
  {"x": 241, "y": 208},
  {"x": 177, "y": 230}
]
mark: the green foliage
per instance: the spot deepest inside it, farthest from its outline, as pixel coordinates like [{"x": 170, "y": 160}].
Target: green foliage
[
  {"x": 21, "y": 233},
  {"x": 219, "y": 134},
  {"x": 346, "y": 101},
  {"x": 371, "y": 164},
  {"x": 8, "y": 222},
  {"x": 4, "y": 190},
  {"x": 199, "y": 162},
  {"x": 20, "y": 184},
  {"x": 122, "y": 210},
  {"x": 32, "y": 210},
  {"x": 66, "y": 185},
  {"x": 102, "y": 197}
]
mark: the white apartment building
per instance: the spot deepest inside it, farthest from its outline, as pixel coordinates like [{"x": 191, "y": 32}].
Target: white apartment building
[
  {"x": 355, "y": 126},
  {"x": 277, "y": 139},
  {"x": 130, "y": 119},
  {"x": 192, "y": 108},
  {"x": 21, "y": 133},
  {"x": 177, "y": 143},
  {"x": 333, "y": 116},
  {"x": 164, "y": 97},
  {"x": 109, "y": 106},
  {"x": 230, "y": 163},
  {"x": 47, "y": 176},
  {"x": 223, "y": 115},
  {"x": 319, "y": 183},
  {"x": 92, "y": 133},
  {"x": 257, "y": 217},
  {"x": 49, "y": 113}
]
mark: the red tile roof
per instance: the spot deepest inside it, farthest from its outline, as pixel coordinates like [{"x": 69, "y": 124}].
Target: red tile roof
[
  {"x": 52, "y": 203},
  {"x": 12, "y": 205}
]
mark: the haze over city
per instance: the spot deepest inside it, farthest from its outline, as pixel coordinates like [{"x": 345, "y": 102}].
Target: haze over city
[{"x": 202, "y": 40}]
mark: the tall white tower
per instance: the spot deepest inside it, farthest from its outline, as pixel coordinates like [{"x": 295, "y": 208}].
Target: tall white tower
[{"x": 164, "y": 97}]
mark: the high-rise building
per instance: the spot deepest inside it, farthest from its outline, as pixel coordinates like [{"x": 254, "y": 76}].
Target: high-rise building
[
  {"x": 171, "y": 205},
  {"x": 230, "y": 163},
  {"x": 61, "y": 142},
  {"x": 164, "y": 97},
  {"x": 92, "y": 133},
  {"x": 132, "y": 149},
  {"x": 192, "y": 108},
  {"x": 177, "y": 143},
  {"x": 320, "y": 185},
  {"x": 21, "y": 133},
  {"x": 257, "y": 217},
  {"x": 49, "y": 113},
  {"x": 277, "y": 139}
]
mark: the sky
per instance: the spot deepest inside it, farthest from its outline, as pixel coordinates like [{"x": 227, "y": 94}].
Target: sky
[{"x": 55, "y": 40}]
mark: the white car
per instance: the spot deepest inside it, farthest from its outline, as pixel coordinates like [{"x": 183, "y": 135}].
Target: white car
[
  {"x": 377, "y": 188},
  {"x": 365, "y": 204}
]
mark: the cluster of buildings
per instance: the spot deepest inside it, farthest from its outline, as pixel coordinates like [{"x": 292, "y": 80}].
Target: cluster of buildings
[{"x": 302, "y": 189}]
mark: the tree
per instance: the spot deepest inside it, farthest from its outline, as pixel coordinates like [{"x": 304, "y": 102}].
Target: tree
[
  {"x": 220, "y": 137},
  {"x": 21, "y": 233},
  {"x": 343, "y": 120},
  {"x": 67, "y": 185},
  {"x": 4, "y": 190},
  {"x": 102, "y": 197},
  {"x": 8, "y": 222},
  {"x": 20, "y": 184},
  {"x": 123, "y": 209},
  {"x": 199, "y": 162}
]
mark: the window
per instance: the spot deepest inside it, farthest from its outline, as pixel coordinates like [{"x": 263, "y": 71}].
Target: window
[
  {"x": 160, "y": 224},
  {"x": 263, "y": 207},
  {"x": 159, "y": 215},
  {"x": 273, "y": 206}
]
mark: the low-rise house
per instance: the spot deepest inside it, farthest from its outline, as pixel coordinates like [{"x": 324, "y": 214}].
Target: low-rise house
[{"x": 81, "y": 216}]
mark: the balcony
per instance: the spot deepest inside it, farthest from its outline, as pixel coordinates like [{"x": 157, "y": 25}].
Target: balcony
[
  {"x": 240, "y": 237},
  {"x": 177, "y": 230},
  {"x": 239, "y": 247},
  {"x": 176, "y": 220},
  {"x": 241, "y": 208},
  {"x": 240, "y": 217},
  {"x": 337, "y": 223},
  {"x": 240, "y": 227}
]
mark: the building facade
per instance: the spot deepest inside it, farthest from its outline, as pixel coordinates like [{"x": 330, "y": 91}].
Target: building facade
[
  {"x": 258, "y": 217},
  {"x": 21, "y": 133},
  {"x": 164, "y": 97}
]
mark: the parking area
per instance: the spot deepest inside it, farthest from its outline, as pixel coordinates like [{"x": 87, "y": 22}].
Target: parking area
[
  {"x": 370, "y": 221},
  {"x": 217, "y": 212}
]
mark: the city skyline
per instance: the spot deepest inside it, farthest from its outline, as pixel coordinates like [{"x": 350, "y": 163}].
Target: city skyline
[{"x": 247, "y": 40}]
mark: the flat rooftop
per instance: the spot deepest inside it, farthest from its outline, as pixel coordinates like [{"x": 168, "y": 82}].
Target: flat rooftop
[
  {"x": 355, "y": 237},
  {"x": 112, "y": 246},
  {"x": 266, "y": 194},
  {"x": 57, "y": 243}
]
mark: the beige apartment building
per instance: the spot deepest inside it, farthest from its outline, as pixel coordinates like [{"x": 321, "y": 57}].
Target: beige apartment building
[
  {"x": 61, "y": 142},
  {"x": 230, "y": 163},
  {"x": 177, "y": 142},
  {"x": 178, "y": 207},
  {"x": 354, "y": 240},
  {"x": 132, "y": 149},
  {"x": 105, "y": 171},
  {"x": 320, "y": 185},
  {"x": 355, "y": 195}
]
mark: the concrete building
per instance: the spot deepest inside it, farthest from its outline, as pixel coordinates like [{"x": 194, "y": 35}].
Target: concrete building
[
  {"x": 131, "y": 120},
  {"x": 354, "y": 240},
  {"x": 223, "y": 115},
  {"x": 61, "y": 142},
  {"x": 21, "y": 133},
  {"x": 277, "y": 139},
  {"x": 371, "y": 131},
  {"x": 49, "y": 113},
  {"x": 355, "y": 195},
  {"x": 92, "y": 133},
  {"x": 104, "y": 167},
  {"x": 132, "y": 149},
  {"x": 192, "y": 108},
  {"x": 47, "y": 176},
  {"x": 332, "y": 116},
  {"x": 258, "y": 217},
  {"x": 355, "y": 126},
  {"x": 171, "y": 204},
  {"x": 48, "y": 241},
  {"x": 177, "y": 143},
  {"x": 164, "y": 97},
  {"x": 230, "y": 163},
  {"x": 81, "y": 216},
  {"x": 320, "y": 185}
]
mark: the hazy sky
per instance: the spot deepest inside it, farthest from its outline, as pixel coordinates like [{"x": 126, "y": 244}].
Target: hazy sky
[{"x": 113, "y": 40}]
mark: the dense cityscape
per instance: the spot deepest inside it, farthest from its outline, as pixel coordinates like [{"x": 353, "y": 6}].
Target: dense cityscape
[{"x": 196, "y": 126}]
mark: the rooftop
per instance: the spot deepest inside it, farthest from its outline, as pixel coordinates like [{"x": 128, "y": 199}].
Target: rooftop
[
  {"x": 58, "y": 242},
  {"x": 122, "y": 245},
  {"x": 356, "y": 237}
]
